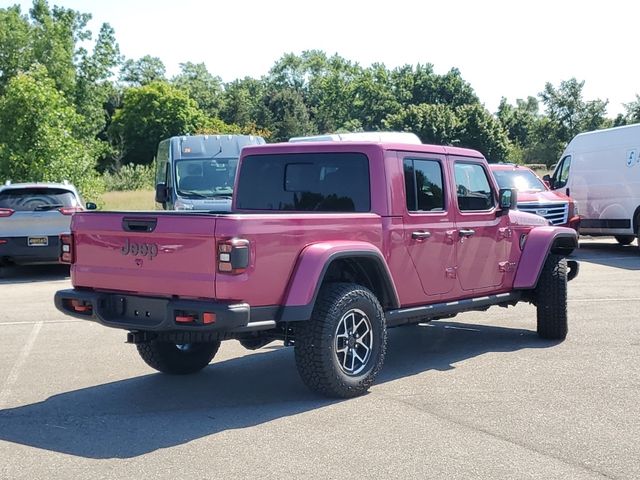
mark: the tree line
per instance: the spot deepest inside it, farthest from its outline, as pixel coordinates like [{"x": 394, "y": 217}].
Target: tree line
[{"x": 69, "y": 111}]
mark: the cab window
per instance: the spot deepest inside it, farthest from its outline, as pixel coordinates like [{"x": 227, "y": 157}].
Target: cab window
[
  {"x": 473, "y": 187},
  {"x": 423, "y": 185}
]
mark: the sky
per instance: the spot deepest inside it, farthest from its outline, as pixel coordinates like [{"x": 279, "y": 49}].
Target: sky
[{"x": 502, "y": 48}]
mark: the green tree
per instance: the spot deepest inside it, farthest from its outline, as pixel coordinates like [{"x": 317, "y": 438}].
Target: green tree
[
  {"x": 93, "y": 86},
  {"x": 55, "y": 35},
  {"x": 480, "y": 130},
  {"x": 149, "y": 114},
  {"x": 519, "y": 120},
  {"x": 245, "y": 103},
  {"x": 202, "y": 86},
  {"x": 16, "y": 53},
  {"x": 470, "y": 126},
  {"x": 143, "y": 71},
  {"x": 436, "y": 124},
  {"x": 572, "y": 115},
  {"x": 39, "y": 138},
  {"x": 290, "y": 115},
  {"x": 633, "y": 111},
  {"x": 330, "y": 94},
  {"x": 373, "y": 98}
]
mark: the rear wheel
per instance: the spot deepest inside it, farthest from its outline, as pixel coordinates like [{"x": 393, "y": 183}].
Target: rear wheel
[
  {"x": 625, "y": 239},
  {"x": 177, "y": 359},
  {"x": 551, "y": 299},
  {"x": 341, "y": 349}
]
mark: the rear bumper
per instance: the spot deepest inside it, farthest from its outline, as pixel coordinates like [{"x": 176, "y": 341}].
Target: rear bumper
[
  {"x": 17, "y": 250},
  {"x": 136, "y": 313}
]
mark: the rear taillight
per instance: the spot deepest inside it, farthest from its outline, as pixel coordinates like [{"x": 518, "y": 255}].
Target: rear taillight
[
  {"x": 67, "y": 253},
  {"x": 69, "y": 210},
  {"x": 233, "y": 256},
  {"x": 6, "y": 212}
]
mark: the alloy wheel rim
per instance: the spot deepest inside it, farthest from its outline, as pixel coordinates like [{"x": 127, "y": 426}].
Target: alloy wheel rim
[{"x": 353, "y": 342}]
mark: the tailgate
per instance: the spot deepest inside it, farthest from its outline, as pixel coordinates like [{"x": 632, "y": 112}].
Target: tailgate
[
  {"x": 27, "y": 223},
  {"x": 145, "y": 253}
]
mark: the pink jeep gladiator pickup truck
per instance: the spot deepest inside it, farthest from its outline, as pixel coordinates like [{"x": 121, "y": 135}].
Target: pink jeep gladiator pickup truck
[{"x": 327, "y": 245}]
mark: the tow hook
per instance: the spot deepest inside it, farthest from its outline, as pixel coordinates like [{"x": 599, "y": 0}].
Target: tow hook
[{"x": 573, "y": 267}]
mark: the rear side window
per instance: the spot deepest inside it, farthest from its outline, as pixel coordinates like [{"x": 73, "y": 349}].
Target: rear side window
[
  {"x": 30, "y": 199},
  {"x": 305, "y": 182},
  {"x": 473, "y": 187},
  {"x": 423, "y": 185}
]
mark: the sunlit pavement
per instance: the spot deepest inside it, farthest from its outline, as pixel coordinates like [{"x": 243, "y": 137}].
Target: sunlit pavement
[{"x": 478, "y": 396}]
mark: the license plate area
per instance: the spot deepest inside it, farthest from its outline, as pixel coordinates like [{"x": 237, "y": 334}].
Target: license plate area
[
  {"x": 38, "y": 241},
  {"x": 134, "y": 310}
]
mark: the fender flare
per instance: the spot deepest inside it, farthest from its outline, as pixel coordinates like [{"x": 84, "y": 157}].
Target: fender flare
[
  {"x": 311, "y": 268},
  {"x": 542, "y": 241}
]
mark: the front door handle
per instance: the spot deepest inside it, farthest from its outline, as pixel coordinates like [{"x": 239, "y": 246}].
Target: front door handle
[
  {"x": 466, "y": 232},
  {"x": 420, "y": 235}
]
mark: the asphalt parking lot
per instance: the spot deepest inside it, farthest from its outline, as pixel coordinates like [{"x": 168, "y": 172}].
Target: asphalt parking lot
[{"x": 479, "y": 396}]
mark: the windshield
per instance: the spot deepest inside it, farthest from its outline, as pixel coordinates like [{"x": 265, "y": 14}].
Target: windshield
[
  {"x": 41, "y": 198},
  {"x": 206, "y": 178},
  {"x": 523, "y": 180}
]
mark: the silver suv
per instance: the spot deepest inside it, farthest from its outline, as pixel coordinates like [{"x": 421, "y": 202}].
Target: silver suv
[{"x": 32, "y": 216}]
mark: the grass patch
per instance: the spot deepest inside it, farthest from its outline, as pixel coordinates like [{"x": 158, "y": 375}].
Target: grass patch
[{"x": 129, "y": 200}]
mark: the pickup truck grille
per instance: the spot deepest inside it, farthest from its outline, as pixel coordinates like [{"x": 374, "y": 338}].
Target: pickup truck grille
[{"x": 556, "y": 213}]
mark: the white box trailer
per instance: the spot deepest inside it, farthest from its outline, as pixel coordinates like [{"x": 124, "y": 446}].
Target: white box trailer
[{"x": 600, "y": 170}]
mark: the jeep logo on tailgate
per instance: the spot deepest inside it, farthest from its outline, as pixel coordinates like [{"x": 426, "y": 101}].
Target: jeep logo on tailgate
[{"x": 139, "y": 249}]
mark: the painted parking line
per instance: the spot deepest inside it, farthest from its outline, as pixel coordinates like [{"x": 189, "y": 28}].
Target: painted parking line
[
  {"x": 5, "y": 391},
  {"x": 34, "y": 322}
]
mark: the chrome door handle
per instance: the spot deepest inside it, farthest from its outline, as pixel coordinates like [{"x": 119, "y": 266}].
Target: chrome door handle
[
  {"x": 466, "y": 232},
  {"x": 420, "y": 235}
]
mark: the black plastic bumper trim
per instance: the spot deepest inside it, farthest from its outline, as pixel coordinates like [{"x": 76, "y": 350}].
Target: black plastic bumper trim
[{"x": 154, "y": 314}]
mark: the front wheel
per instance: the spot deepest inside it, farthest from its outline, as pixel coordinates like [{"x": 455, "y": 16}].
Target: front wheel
[
  {"x": 551, "y": 299},
  {"x": 182, "y": 359},
  {"x": 341, "y": 349}
]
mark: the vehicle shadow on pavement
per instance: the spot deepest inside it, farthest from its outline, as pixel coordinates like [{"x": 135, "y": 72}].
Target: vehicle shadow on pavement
[
  {"x": 132, "y": 417},
  {"x": 609, "y": 255},
  {"x": 32, "y": 273}
]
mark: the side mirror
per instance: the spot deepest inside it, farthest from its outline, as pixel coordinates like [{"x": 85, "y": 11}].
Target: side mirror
[
  {"x": 91, "y": 206},
  {"x": 508, "y": 198},
  {"x": 161, "y": 193},
  {"x": 547, "y": 180}
]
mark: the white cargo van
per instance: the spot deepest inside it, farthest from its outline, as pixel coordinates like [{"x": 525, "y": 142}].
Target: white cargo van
[{"x": 600, "y": 170}]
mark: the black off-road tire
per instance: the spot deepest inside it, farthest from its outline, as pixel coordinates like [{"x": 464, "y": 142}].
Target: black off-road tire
[
  {"x": 315, "y": 351},
  {"x": 551, "y": 299},
  {"x": 167, "y": 357},
  {"x": 625, "y": 239}
]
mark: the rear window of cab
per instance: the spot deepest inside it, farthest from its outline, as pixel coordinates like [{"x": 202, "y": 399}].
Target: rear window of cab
[
  {"x": 37, "y": 198},
  {"x": 305, "y": 182}
]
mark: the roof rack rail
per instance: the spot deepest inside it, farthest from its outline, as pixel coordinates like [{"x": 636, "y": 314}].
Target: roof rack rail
[{"x": 7, "y": 182}]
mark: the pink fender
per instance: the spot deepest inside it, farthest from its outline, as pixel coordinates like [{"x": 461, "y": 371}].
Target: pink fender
[
  {"x": 540, "y": 241},
  {"x": 315, "y": 259}
]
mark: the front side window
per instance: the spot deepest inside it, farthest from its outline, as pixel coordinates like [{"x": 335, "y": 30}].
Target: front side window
[
  {"x": 423, "y": 185},
  {"x": 305, "y": 182},
  {"x": 561, "y": 175},
  {"x": 473, "y": 187}
]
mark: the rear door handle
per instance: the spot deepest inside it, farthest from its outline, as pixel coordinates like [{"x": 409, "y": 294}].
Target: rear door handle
[
  {"x": 420, "y": 235},
  {"x": 466, "y": 232}
]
